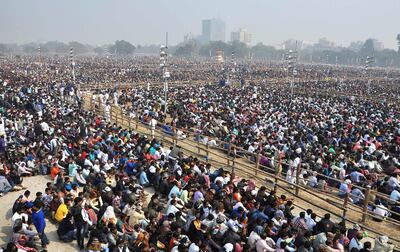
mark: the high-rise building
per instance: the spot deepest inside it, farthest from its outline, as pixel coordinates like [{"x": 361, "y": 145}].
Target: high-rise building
[
  {"x": 242, "y": 35},
  {"x": 213, "y": 30}
]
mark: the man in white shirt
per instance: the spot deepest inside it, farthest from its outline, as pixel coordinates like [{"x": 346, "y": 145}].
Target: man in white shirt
[
  {"x": 395, "y": 195},
  {"x": 393, "y": 182},
  {"x": 356, "y": 242},
  {"x": 357, "y": 196},
  {"x": 153, "y": 124},
  {"x": 45, "y": 127},
  {"x": 310, "y": 222},
  {"x": 107, "y": 110},
  {"x": 380, "y": 212}
]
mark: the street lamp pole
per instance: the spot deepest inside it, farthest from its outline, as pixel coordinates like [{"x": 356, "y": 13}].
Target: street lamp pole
[
  {"x": 291, "y": 59},
  {"x": 71, "y": 55},
  {"x": 164, "y": 70},
  {"x": 368, "y": 63}
]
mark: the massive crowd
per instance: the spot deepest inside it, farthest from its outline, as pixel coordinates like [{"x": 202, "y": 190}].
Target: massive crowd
[
  {"x": 99, "y": 171},
  {"x": 337, "y": 141}
]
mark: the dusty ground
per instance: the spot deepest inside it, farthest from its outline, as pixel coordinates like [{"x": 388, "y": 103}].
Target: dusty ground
[{"x": 35, "y": 184}]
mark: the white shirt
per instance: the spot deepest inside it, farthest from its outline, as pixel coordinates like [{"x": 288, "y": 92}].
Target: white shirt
[
  {"x": 172, "y": 209},
  {"x": 153, "y": 123},
  {"x": 45, "y": 126},
  {"x": 381, "y": 211},
  {"x": 16, "y": 216},
  {"x": 310, "y": 224},
  {"x": 251, "y": 149},
  {"x": 395, "y": 195},
  {"x": 194, "y": 248},
  {"x": 393, "y": 182},
  {"x": 354, "y": 243}
]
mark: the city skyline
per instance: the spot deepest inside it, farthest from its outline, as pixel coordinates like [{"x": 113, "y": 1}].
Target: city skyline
[{"x": 270, "y": 22}]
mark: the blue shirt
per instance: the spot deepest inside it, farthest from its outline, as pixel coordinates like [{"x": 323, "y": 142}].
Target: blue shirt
[
  {"x": 131, "y": 167},
  {"x": 174, "y": 190},
  {"x": 143, "y": 178},
  {"x": 38, "y": 221},
  {"x": 343, "y": 189}
]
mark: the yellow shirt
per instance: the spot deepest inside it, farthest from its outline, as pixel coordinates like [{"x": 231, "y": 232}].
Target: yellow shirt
[{"x": 61, "y": 212}]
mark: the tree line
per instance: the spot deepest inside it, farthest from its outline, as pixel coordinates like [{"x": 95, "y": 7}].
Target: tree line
[
  {"x": 340, "y": 55},
  {"x": 232, "y": 50},
  {"x": 119, "y": 47}
]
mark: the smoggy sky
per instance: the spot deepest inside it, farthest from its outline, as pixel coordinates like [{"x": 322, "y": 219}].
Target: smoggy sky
[{"x": 145, "y": 22}]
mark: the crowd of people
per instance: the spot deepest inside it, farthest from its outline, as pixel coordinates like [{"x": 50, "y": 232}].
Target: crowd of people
[
  {"x": 98, "y": 172},
  {"x": 338, "y": 141}
]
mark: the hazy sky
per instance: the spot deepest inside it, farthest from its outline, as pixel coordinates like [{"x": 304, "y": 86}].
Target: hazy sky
[{"x": 145, "y": 22}]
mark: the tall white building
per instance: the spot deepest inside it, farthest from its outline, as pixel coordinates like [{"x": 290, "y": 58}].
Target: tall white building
[
  {"x": 213, "y": 30},
  {"x": 242, "y": 35}
]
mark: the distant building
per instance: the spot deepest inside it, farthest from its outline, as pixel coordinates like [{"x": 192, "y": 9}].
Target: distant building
[
  {"x": 188, "y": 37},
  {"x": 213, "y": 30},
  {"x": 242, "y": 35},
  {"x": 324, "y": 44},
  {"x": 356, "y": 46},
  {"x": 292, "y": 44},
  {"x": 378, "y": 45}
]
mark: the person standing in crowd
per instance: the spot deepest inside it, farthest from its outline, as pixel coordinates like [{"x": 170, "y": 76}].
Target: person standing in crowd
[{"x": 38, "y": 219}]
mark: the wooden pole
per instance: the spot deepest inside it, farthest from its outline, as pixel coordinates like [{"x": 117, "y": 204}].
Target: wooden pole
[
  {"x": 198, "y": 144},
  {"x": 298, "y": 178},
  {"x": 207, "y": 151},
  {"x": 257, "y": 163},
  {"x": 276, "y": 180},
  {"x": 228, "y": 155},
  {"x": 91, "y": 103},
  {"x": 365, "y": 204},
  {"x": 345, "y": 203},
  {"x": 233, "y": 160}
]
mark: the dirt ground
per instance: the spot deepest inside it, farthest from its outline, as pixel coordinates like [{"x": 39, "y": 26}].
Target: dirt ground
[{"x": 35, "y": 184}]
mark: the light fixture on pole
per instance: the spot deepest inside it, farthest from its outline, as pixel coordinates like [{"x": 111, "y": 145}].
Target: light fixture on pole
[
  {"x": 368, "y": 63},
  {"x": 291, "y": 59},
  {"x": 40, "y": 54},
  {"x": 164, "y": 70},
  {"x": 71, "y": 56}
]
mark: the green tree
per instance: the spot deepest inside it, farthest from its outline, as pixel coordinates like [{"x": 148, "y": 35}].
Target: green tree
[
  {"x": 31, "y": 48},
  {"x": 79, "y": 48},
  {"x": 368, "y": 48},
  {"x": 55, "y": 47},
  {"x": 261, "y": 51},
  {"x": 240, "y": 49},
  {"x": 122, "y": 47}
]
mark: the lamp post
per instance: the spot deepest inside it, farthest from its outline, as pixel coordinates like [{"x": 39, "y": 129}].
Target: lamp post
[
  {"x": 368, "y": 63},
  {"x": 291, "y": 58},
  {"x": 164, "y": 70},
  {"x": 71, "y": 56}
]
